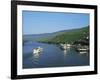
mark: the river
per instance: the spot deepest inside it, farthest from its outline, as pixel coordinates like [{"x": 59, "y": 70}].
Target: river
[{"x": 52, "y": 56}]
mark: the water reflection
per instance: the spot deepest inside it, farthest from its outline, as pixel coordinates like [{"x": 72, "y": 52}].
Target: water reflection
[
  {"x": 66, "y": 51},
  {"x": 84, "y": 53},
  {"x": 36, "y": 56}
]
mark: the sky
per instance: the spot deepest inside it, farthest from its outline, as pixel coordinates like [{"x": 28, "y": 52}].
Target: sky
[{"x": 47, "y": 22}]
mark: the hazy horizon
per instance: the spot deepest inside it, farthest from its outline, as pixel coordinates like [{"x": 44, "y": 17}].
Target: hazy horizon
[{"x": 55, "y": 31}]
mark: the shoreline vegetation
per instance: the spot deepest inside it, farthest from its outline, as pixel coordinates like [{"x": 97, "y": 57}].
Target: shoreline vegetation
[{"x": 77, "y": 38}]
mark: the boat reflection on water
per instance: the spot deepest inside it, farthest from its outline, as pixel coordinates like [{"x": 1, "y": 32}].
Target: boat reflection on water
[
  {"x": 84, "y": 53},
  {"x": 37, "y": 53},
  {"x": 36, "y": 57},
  {"x": 66, "y": 51}
]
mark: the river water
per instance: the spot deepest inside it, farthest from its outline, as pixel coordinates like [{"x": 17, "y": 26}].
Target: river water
[{"x": 52, "y": 56}]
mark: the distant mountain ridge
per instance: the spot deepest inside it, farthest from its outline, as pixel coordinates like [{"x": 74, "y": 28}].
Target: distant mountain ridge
[{"x": 36, "y": 37}]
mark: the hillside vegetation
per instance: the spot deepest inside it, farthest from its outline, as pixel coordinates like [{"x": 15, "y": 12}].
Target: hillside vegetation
[{"x": 67, "y": 37}]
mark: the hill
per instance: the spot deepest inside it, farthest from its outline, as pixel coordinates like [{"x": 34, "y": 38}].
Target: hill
[
  {"x": 64, "y": 36},
  {"x": 67, "y": 36}
]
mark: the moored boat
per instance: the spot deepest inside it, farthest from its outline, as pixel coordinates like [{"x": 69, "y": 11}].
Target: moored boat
[
  {"x": 82, "y": 49},
  {"x": 65, "y": 46}
]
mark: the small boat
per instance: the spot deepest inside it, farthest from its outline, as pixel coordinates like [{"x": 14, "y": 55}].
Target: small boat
[
  {"x": 37, "y": 50},
  {"x": 65, "y": 46},
  {"x": 82, "y": 49},
  {"x": 83, "y": 52}
]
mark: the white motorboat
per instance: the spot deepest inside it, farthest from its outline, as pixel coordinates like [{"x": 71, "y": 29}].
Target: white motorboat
[{"x": 37, "y": 50}]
